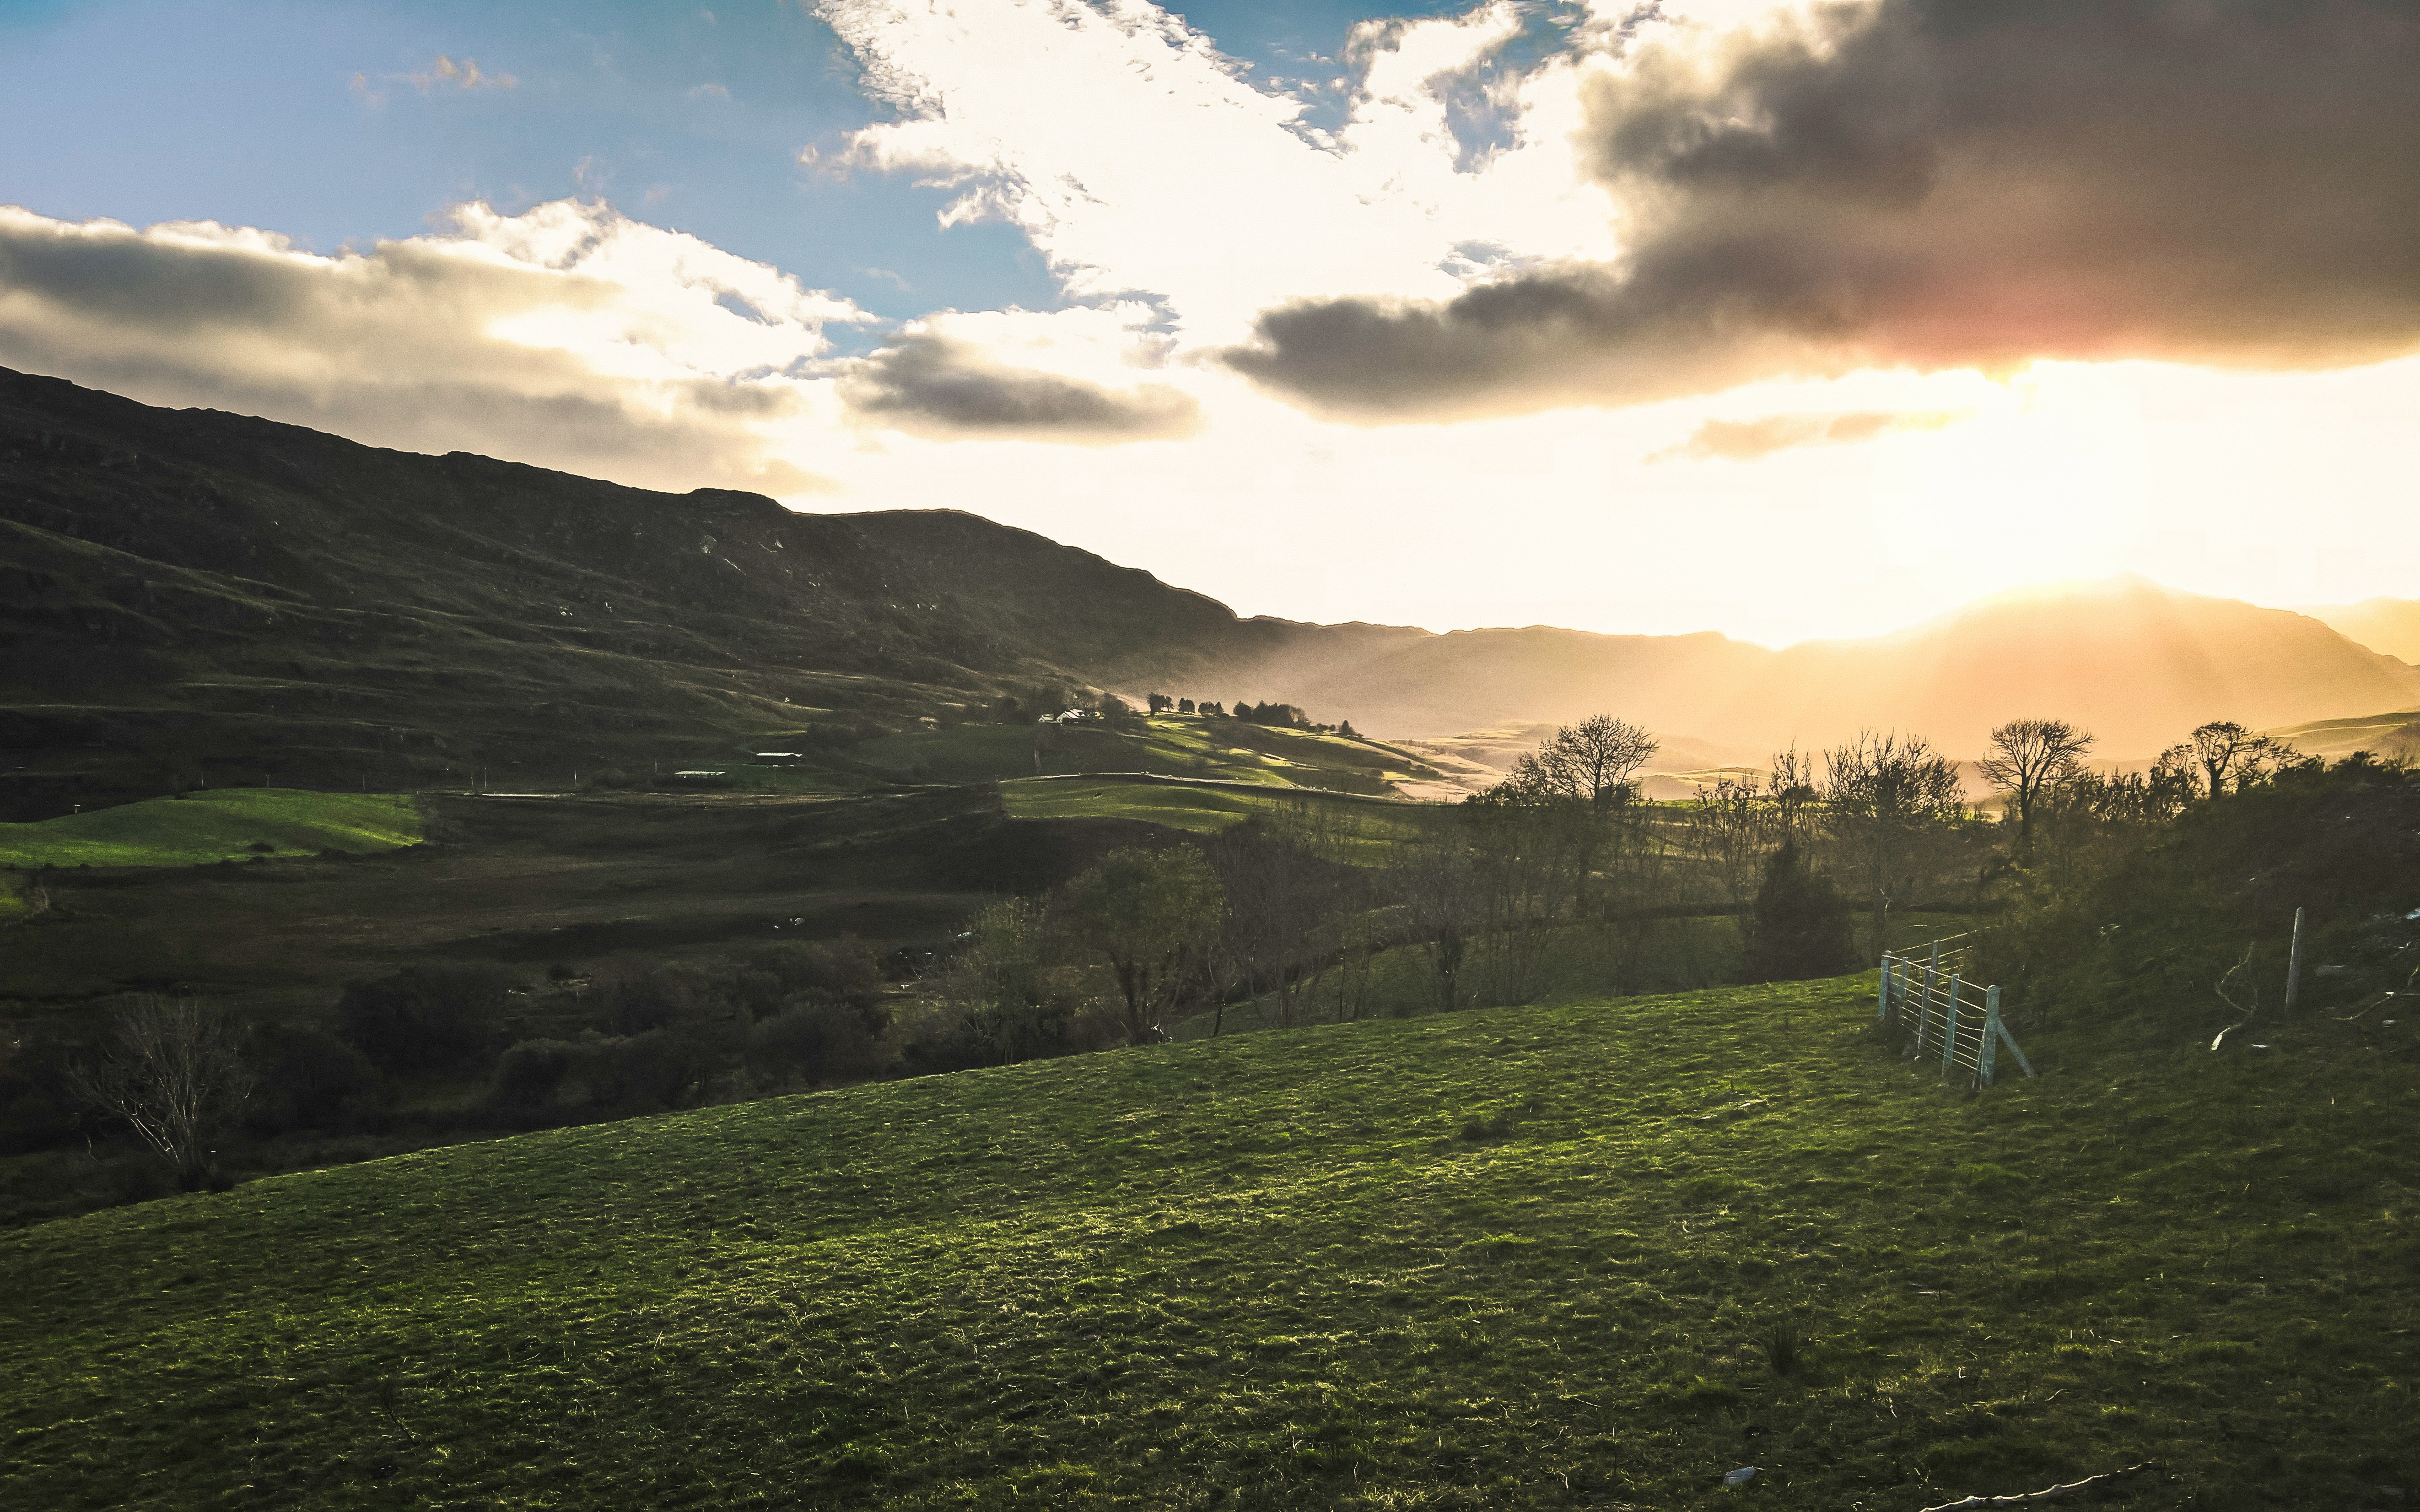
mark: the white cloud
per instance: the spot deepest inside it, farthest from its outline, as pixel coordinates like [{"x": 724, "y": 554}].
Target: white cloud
[
  {"x": 1178, "y": 200},
  {"x": 465, "y": 76},
  {"x": 569, "y": 336},
  {"x": 1142, "y": 160}
]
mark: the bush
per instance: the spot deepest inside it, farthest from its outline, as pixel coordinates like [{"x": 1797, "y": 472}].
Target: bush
[
  {"x": 424, "y": 1018},
  {"x": 1800, "y": 927},
  {"x": 645, "y": 1072},
  {"x": 813, "y": 1041},
  {"x": 309, "y": 1079},
  {"x": 35, "y": 1110},
  {"x": 843, "y": 973},
  {"x": 530, "y": 1073},
  {"x": 634, "y": 998}
]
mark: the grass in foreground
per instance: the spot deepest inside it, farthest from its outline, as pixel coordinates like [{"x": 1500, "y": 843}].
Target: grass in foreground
[
  {"x": 227, "y": 823},
  {"x": 1538, "y": 1257}
]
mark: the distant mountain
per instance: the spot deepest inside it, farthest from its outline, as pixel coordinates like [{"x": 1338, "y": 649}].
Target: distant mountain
[
  {"x": 2136, "y": 663},
  {"x": 2390, "y": 626},
  {"x": 190, "y": 593}
]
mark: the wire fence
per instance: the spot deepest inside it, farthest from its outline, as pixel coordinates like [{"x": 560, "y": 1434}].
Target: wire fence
[{"x": 1924, "y": 994}]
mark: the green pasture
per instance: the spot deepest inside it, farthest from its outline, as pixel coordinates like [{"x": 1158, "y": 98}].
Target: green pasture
[
  {"x": 227, "y": 823},
  {"x": 1576, "y": 962},
  {"x": 1592, "y": 1255},
  {"x": 1364, "y": 832},
  {"x": 1201, "y": 810},
  {"x": 1169, "y": 745}
]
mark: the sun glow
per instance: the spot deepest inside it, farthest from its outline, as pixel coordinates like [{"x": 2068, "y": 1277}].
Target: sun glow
[{"x": 2046, "y": 481}]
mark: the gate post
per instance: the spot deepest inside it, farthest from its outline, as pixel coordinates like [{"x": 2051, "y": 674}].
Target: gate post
[
  {"x": 1949, "y": 1031},
  {"x": 1882, "y": 994},
  {"x": 1990, "y": 1052},
  {"x": 1932, "y": 995}
]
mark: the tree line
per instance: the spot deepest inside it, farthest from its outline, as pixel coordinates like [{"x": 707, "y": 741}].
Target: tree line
[{"x": 1288, "y": 918}]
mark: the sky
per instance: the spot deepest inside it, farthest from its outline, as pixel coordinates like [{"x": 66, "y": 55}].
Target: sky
[{"x": 1792, "y": 322}]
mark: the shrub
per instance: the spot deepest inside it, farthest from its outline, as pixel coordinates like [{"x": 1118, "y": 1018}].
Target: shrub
[
  {"x": 843, "y": 973},
  {"x": 309, "y": 1079},
  {"x": 1800, "y": 927},
  {"x": 35, "y": 1111},
  {"x": 643, "y": 1073},
  {"x": 424, "y": 1018},
  {"x": 812, "y": 1040},
  {"x": 529, "y": 1074},
  {"x": 634, "y": 998}
]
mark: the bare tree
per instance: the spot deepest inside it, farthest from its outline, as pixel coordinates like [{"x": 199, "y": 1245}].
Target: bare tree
[
  {"x": 1279, "y": 899},
  {"x": 1153, "y": 915},
  {"x": 2225, "y": 750},
  {"x": 1433, "y": 878},
  {"x": 1889, "y": 799},
  {"x": 172, "y": 1072},
  {"x": 1591, "y": 762},
  {"x": 1582, "y": 776},
  {"x": 1731, "y": 828},
  {"x": 1791, "y": 787},
  {"x": 1527, "y": 855},
  {"x": 2029, "y": 758}
]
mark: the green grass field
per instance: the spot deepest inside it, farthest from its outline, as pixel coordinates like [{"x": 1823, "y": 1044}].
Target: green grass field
[
  {"x": 1365, "y": 831},
  {"x": 1201, "y": 810},
  {"x": 221, "y": 824},
  {"x": 1170, "y": 745},
  {"x": 1538, "y": 1257}
]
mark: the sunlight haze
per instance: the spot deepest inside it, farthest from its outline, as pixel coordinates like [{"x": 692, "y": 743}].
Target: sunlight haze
[{"x": 1048, "y": 265}]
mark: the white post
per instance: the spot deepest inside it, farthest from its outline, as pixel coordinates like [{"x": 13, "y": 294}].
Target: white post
[
  {"x": 1949, "y": 1033},
  {"x": 1931, "y": 992},
  {"x": 2293, "y": 967}
]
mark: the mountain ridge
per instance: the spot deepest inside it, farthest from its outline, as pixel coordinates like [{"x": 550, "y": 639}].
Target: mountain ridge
[{"x": 195, "y": 595}]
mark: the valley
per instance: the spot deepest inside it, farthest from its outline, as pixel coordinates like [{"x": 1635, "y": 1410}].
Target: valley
[{"x": 849, "y": 994}]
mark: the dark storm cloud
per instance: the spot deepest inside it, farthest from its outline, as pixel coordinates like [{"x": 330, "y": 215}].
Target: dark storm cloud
[
  {"x": 1943, "y": 183},
  {"x": 941, "y": 387}
]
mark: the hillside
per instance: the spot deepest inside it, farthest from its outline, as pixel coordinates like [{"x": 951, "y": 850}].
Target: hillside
[
  {"x": 2390, "y": 625},
  {"x": 195, "y": 596},
  {"x": 199, "y": 594},
  {"x": 529, "y": 881},
  {"x": 1552, "y": 1258},
  {"x": 2137, "y": 663}
]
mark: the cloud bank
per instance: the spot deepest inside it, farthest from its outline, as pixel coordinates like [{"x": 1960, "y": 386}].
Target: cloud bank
[
  {"x": 936, "y": 386},
  {"x": 1933, "y": 184},
  {"x": 568, "y": 336}
]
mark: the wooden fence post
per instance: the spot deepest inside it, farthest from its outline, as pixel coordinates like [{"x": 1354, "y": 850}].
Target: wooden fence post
[
  {"x": 1949, "y": 1032},
  {"x": 1984, "y": 1056},
  {"x": 1882, "y": 994}
]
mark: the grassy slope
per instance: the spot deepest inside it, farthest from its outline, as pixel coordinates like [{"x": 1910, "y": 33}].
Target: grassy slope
[
  {"x": 1510, "y": 1258},
  {"x": 1368, "y": 827},
  {"x": 1172, "y": 745},
  {"x": 2379, "y": 733},
  {"x": 532, "y": 881},
  {"x": 215, "y": 825}
]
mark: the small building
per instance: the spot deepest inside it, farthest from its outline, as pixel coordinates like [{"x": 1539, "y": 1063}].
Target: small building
[{"x": 779, "y": 758}]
